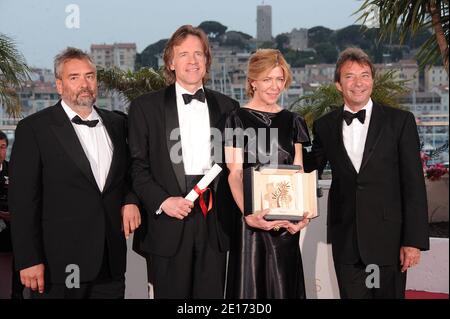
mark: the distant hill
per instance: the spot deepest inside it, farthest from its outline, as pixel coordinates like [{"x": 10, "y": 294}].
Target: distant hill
[{"x": 324, "y": 44}]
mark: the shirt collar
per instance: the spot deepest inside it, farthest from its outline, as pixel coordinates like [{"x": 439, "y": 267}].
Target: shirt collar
[
  {"x": 71, "y": 113},
  {"x": 181, "y": 90},
  {"x": 368, "y": 107}
]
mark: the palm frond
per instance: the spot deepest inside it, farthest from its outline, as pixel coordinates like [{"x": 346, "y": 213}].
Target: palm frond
[
  {"x": 387, "y": 90},
  {"x": 408, "y": 17},
  {"x": 131, "y": 84},
  {"x": 323, "y": 100},
  {"x": 13, "y": 72}
]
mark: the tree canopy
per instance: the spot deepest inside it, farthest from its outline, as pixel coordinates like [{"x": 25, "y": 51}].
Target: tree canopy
[
  {"x": 213, "y": 29},
  {"x": 148, "y": 57}
]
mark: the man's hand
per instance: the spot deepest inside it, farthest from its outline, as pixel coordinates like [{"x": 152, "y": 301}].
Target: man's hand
[
  {"x": 409, "y": 257},
  {"x": 33, "y": 277},
  {"x": 177, "y": 207},
  {"x": 131, "y": 219},
  {"x": 256, "y": 220}
]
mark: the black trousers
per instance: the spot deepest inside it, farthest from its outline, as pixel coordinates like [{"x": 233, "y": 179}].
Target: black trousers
[
  {"x": 103, "y": 287},
  {"x": 16, "y": 284},
  {"x": 196, "y": 270},
  {"x": 355, "y": 283}
]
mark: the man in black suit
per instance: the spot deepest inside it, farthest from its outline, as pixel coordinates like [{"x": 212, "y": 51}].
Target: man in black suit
[
  {"x": 5, "y": 217},
  {"x": 69, "y": 197},
  {"x": 377, "y": 206},
  {"x": 169, "y": 138},
  {"x": 5, "y": 232}
]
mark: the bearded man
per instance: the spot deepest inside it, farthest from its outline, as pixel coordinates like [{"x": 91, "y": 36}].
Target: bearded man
[{"x": 69, "y": 195}]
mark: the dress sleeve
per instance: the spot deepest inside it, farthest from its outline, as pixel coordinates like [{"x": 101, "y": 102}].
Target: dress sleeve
[
  {"x": 234, "y": 130},
  {"x": 300, "y": 131}
]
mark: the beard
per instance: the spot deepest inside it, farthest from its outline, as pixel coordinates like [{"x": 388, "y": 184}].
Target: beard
[{"x": 87, "y": 101}]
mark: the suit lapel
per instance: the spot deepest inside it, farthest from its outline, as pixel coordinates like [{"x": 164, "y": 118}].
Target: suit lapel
[
  {"x": 115, "y": 140},
  {"x": 213, "y": 109},
  {"x": 68, "y": 139},
  {"x": 374, "y": 133},
  {"x": 214, "y": 118},
  {"x": 171, "y": 121},
  {"x": 340, "y": 145}
]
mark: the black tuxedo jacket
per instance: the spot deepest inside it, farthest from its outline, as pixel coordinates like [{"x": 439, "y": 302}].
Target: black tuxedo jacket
[
  {"x": 371, "y": 214},
  {"x": 59, "y": 215},
  {"x": 5, "y": 234},
  {"x": 155, "y": 177}
]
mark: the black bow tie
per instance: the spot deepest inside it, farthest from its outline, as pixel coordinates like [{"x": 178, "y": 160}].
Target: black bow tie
[
  {"x": 349, "y": 116},
  {"x": 77, "y": 120},
  {"x": 199, "y": 95}
]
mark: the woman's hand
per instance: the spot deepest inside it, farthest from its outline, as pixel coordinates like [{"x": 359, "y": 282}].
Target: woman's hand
[
  {"x": 256, "y": 220},
  {"x": 296, "y": 227}
]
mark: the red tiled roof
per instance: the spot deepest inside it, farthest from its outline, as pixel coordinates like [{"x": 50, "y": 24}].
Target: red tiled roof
[
  {"x": 101, "y": 46},
  {"x": 112, "y": 46}
]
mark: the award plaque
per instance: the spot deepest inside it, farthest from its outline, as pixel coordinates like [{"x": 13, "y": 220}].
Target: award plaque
[{"x": 284, "y": 190}]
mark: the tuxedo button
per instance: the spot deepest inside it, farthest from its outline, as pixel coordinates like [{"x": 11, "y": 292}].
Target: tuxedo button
[{"x": 360, "y": 187}]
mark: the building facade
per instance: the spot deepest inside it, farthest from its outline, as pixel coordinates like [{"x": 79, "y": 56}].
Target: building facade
[
  {"x": 264, "y": 23},
  {"x": 298, "y": 39},
  {"x": 120, "y": 55}
]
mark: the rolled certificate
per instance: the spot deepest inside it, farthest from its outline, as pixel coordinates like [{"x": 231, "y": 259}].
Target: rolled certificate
[
  {"x": 200, "y": 188},
  {"x": 204, "y": 182}
]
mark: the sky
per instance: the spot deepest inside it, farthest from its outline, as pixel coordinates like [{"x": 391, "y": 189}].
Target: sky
[{"x": 40, "y": 30}]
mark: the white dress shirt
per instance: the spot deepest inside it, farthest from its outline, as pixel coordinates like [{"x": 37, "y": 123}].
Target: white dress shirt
[
  {"x": 96, "y": 144},
  {"x": 195, "y": 133},
  {"x": 355, "y": 135}
]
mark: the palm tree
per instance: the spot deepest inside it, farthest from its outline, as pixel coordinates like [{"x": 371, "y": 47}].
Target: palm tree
[
  {"x": 131, "y": 84},
  {"x": 13, "y": 72},
  {"x": 410, "y": 16},
  {"x": 326, "y": 98}
]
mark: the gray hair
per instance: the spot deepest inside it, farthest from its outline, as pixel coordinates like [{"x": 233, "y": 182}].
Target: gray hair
[{"x": 69, "y": 54}]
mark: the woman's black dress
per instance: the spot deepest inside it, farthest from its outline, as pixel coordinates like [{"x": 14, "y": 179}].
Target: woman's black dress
[{"x": 265, "y": 264}]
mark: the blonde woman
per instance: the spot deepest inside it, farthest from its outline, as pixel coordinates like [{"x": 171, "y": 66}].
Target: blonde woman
[{"x": 265, "y": 260}]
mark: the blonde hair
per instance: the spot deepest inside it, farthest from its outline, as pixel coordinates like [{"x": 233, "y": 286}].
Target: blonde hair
[{"x": 261, "y": 62}]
